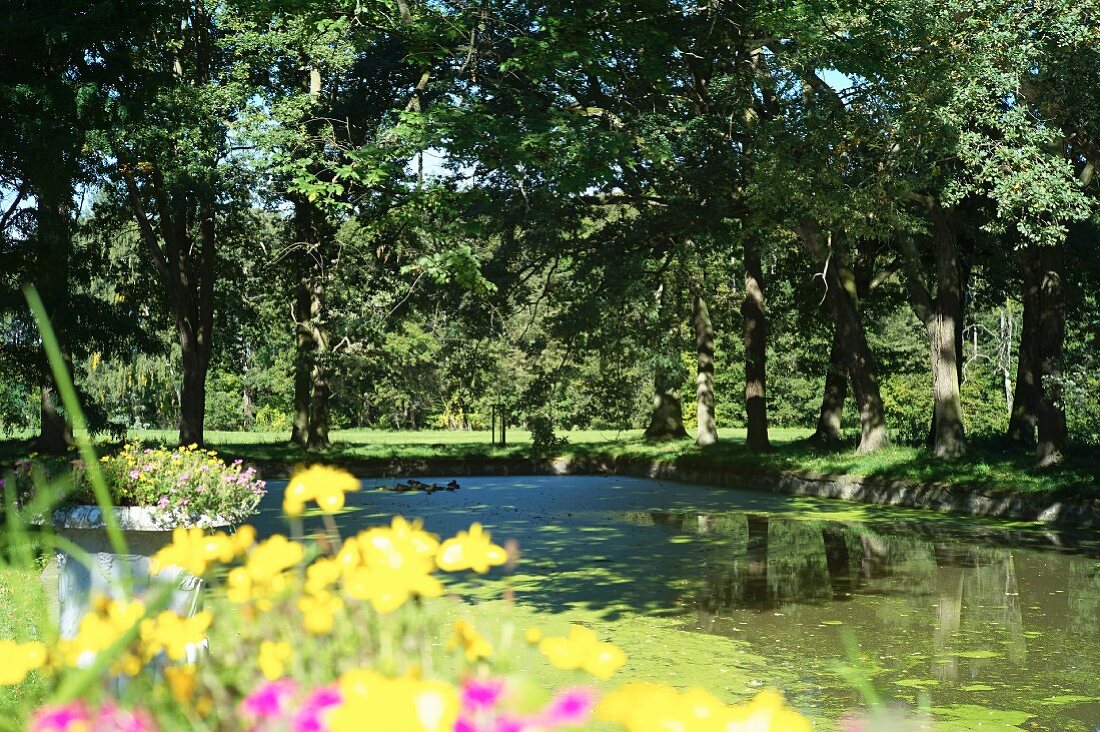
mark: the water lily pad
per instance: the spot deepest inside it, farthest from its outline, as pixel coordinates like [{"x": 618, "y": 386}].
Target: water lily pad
[
  {"x": 976, "y": 654},
  {"x": 968, "y": 717},
  {"x": 1068, "y": 699},
  {"x": 917, "y": 683}
]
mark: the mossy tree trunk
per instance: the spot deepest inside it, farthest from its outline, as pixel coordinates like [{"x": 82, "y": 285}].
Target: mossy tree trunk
[
  {"x": 53, "y": 238},
  {"x": 1025, "y": 394},
  {"x": 707, "y": 431},
  {"x": 756, "y": 346},
  {"x": 832, "y": 401},
  {"x": 1052, "y": 333},
  {"x": 862, "y": 370}
]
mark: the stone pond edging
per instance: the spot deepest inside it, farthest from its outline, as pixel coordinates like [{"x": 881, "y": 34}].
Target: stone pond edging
[
  {"x": 130, "y": 518},
  {"x": 1002, "y": 504}
]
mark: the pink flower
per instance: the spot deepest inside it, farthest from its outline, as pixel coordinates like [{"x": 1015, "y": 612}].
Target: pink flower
[
  {"x": 310, "y": 717},
  {"x": 493, "y": 724},
  {"x": 163, "y": 502},
  {"x": 76, "y": 717},
  {"x": 479, "y": 694},
  {"x": 569, "y": 706},
  {"x": 148, "y": 466},
  {"x": 270, "y": 700},
  {"x": 204, "y": 468},
  {"x": 123, "y": 720},
  {"x": 61, "y": 718},
  {"x": 134, "y": 474}
]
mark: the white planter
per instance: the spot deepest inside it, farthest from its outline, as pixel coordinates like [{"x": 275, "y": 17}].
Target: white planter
[{"x": 146, "y": 531}]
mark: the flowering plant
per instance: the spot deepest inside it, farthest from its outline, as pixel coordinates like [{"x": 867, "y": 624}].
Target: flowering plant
[
  {"x": 315, "y": 634},
  {"x": 184, "y": 484}
]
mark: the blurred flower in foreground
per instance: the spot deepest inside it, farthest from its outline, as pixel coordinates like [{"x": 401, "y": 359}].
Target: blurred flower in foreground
[
  {"x": 583, "y": 649},
  {"x": 471, "y": 549},
  {"x": 19, "y": 659},
  {"x": 77, "y": 717},
  {"x": 319, "y": 483},
  {"x": 640, "y": 707}
]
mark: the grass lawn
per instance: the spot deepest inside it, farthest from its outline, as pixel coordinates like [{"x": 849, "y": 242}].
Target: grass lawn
[{"x": 989, "y": 466}]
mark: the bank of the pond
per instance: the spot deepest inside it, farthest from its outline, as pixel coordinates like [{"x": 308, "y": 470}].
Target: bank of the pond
[{"x": 1052, "y": 507}]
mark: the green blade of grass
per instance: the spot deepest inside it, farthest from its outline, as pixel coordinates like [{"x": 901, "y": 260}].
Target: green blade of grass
[{"x": 80, "y": 426}]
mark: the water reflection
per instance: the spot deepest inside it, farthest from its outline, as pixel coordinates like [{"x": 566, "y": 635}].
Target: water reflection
[{"x": 966, "y": 623}]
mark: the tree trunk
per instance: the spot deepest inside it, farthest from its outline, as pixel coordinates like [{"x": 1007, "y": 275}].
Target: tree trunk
[
  {"x": 1052, "y": 333},
  {"x": 707, "y": 432},
  {"x": 944, "y": 337},
  {"x": 54, "y": 243},
  {"x": 756, "y": 334},
  {"x": 1025, "y": 396},
  {"x": 55, "y": 435},
  {"x": 303, "y": 356},
  {"x": 193, "y": 393},
  {"x": 319, "y": 386},
  {"x": 861, "y": 366},
  {"x": 667, "y": 420},
  {"x": 832, "y": 401}
]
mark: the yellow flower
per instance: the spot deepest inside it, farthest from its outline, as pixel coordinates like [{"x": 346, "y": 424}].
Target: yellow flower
[
  {"x": 467, "y": 637},
  {"x": 193, "y": 551},
  {"x": 322, "y": 574},
  {"x": 107, "y": 621},
  {"x": 319, "y": 612},
  {"x": 272, "y": 659},
  {"x": 242, "y": 540},
  {"x": 181, "y": 682},
  {"x": 533, "y": 635},
  {"x": 405, "y": 704},
  {"x": 471, "y": 549},
  {"x": 766, "y": 711},
  {"x": 320, "y": 483},
  {"x": 388, "y": 565},
  {"x": 263, "y": 575},
  {"x": 646, "y": 707},
  {"x": 19, "y": 659},
  {"x": 582, "y": 649},
  {"x": 175, "y": 634}
]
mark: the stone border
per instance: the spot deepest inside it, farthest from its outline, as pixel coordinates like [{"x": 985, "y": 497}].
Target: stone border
[
  {"x": 130, "y": 518},
  {"x": 1007, "y": 504}
]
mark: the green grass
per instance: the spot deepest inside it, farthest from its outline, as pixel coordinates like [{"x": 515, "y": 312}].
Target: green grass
[{"x": 989, "y": 466}]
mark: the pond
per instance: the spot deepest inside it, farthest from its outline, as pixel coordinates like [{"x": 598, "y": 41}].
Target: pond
[{"x": 989, "y": 625}]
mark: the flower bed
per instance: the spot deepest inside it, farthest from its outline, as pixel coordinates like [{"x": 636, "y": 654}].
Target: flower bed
[{"x": 183, "y": 484}]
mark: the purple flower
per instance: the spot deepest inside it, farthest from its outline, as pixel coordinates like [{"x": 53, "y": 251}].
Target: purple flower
[
  {"x": 569, "y": 706},
  {"x": 204, "y": 468},
  {"x": 310, "y": 717},
  {"x": 478, "y": 694},
  {"x": 135, "y": 474},
  {"x": 76, "y": 716},
  {"x": 148, "y": 467},
  {"x": 184, "y": 477},
  {"x": 163, "y": 502},
  {"x": 59, "y": 719},
  {"x": 271, "y": 699},
  {"x": 2, "y": 483}
]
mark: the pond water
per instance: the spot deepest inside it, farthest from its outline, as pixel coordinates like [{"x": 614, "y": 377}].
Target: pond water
[{"x": 989, "y": 625}]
